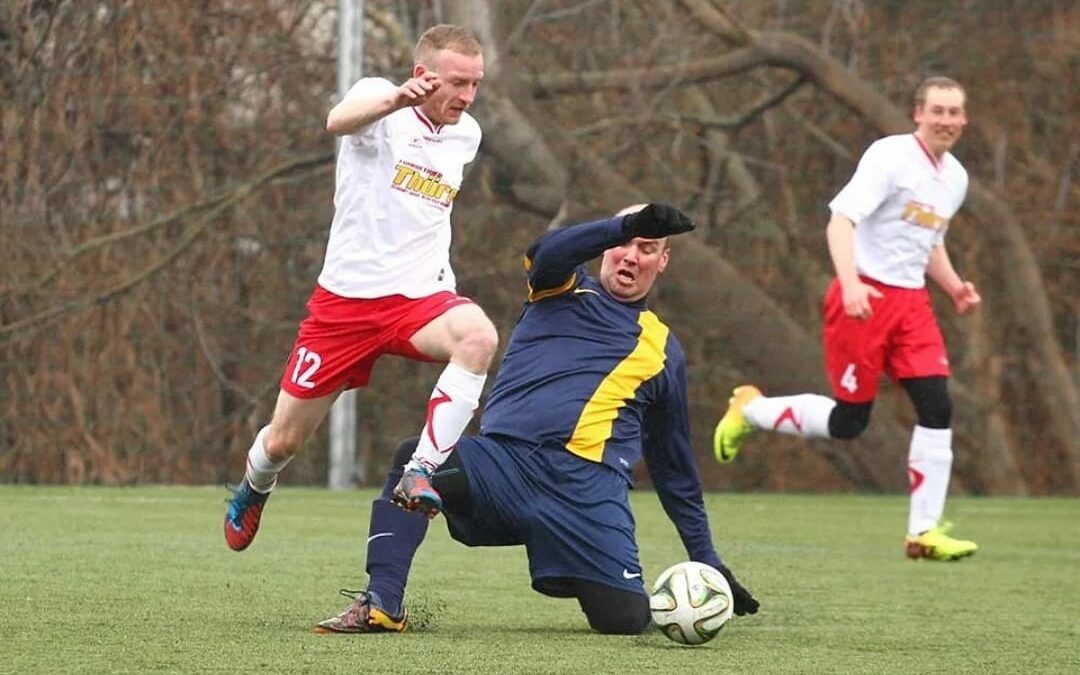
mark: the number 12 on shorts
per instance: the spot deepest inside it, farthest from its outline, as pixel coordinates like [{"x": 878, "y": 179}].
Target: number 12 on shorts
[
  {"x": 307, "y": 363},
  {"x": 848, "y": 381}
]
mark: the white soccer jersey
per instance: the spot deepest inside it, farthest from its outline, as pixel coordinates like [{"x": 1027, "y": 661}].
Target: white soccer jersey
[
  {"x": 901, "y": 200},
  {"x": 396, "y": 183}
]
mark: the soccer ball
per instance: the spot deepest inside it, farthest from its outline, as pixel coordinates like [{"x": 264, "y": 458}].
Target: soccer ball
[{"x": 691, "y": 602}]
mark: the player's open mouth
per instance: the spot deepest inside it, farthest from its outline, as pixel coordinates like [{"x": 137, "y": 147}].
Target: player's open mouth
[{"x": 626, "y": 276}]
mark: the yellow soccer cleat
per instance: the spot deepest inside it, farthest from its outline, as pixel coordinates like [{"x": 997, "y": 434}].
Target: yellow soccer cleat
[
  {"x": 733, "y": 428},
  {"x": 935, "y": 544},
  {"x": 363, "y": 615}
]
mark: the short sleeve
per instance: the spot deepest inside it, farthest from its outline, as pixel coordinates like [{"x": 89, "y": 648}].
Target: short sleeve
[
  {"x": 368, "y": 88},
  {"x": 869, "y": 186}
]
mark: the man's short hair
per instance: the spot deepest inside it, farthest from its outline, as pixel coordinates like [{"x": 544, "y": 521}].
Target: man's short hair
[
  {"x": 938, "y": 82},
  {"x": 445, "y": 36}
]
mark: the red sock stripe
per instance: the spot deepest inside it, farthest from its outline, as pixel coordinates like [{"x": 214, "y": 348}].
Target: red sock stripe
[
  {"x": 916, "y": 478},
  {"x": 435, "y": 402}
]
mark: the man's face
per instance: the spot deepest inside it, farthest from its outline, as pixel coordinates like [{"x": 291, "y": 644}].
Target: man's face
[
  {"x": 459, "y": 77},
  {"x": 941, "y": 119},
  {"x": 629, "y": 271}
]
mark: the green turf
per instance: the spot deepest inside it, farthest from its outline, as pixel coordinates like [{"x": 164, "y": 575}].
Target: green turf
[{"x": 139, "y": 580}]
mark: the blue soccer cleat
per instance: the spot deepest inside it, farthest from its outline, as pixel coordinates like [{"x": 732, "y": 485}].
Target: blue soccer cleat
[
  {"x": 415, "y": 493},
  {"x": 242, "y": 518}
]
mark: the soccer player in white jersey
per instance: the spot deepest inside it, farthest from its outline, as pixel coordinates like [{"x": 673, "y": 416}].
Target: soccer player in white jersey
[
  {"x": 886, "y": 235},
  {"x": 386, "y": 286}
]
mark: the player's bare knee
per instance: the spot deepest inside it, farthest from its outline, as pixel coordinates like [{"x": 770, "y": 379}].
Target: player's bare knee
[
  {"x": 477, "y": 347},
  {"x": 486, "y": 338},
  {"x": 282, "y": 442}
]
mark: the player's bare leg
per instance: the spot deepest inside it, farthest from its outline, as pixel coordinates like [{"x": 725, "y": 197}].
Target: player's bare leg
[{"x": 294, "y": 421}]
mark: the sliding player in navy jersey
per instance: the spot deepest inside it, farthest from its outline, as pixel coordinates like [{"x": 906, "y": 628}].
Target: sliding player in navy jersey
[{"x": 592, "y": 382}]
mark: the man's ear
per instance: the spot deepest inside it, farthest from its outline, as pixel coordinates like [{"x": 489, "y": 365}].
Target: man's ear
[{"x": 662, "y": 263}]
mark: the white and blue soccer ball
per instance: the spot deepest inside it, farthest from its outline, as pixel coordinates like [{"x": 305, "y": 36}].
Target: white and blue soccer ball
[{"x": 691, "y": 602}]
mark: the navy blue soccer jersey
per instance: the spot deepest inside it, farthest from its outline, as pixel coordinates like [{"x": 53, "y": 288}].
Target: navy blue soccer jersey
[{"x": 605, "y": 380}]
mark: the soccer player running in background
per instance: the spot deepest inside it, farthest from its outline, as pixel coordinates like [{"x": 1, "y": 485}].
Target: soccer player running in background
[
  {"x": 592, "y": 382},
  {"x": 386, "y": 286},
  {"x": 886, "y": 235}
]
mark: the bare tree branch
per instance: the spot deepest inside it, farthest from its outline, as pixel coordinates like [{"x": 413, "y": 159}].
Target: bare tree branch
[
  {"x": 719, "y": 21},
  {"x": 640, "y": 79},
  {"x": 290, "y": 169},
  {"x": 214, "y": 362},
  {"x": 45, "y": 316},
  {"x": 763, "y": 104},
  {"x": 208, "y": 211}
]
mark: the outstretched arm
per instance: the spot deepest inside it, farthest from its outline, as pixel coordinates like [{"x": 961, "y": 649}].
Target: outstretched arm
[
  {"x": 553, "y": 259},
  {"x": 353, "y": 114},
  {"x": 674, "y": 472}
]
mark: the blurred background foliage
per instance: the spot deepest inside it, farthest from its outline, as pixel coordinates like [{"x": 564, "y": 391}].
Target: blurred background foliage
[{"x": 166, "y": 190}]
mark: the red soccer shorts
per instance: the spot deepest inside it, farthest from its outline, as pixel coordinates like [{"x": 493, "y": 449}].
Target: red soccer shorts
[
  {"x": 339, "y": 341},
  {"x": 901, "y": 339}
]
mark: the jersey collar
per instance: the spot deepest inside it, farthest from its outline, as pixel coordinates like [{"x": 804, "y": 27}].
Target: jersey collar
[
  {"x": 926, "y": 151},
  {"x": 432, "y": 127}
]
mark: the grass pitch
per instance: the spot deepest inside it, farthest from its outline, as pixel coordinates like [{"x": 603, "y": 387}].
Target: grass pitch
[{"x": 139, "y": 580}]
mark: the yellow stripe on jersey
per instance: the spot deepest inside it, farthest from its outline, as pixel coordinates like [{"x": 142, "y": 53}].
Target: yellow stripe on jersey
[
  {"x": 550, "y": 292},
  {"x": 621, "y": 384}
]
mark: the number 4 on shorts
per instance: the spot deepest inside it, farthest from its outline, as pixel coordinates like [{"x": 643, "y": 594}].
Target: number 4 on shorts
[{"x": 848, "y": 381}]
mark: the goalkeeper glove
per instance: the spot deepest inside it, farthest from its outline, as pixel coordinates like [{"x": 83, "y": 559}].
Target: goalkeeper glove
[
  {"x": 744, "y": 601},
  {"x": 656, "y": 221}
]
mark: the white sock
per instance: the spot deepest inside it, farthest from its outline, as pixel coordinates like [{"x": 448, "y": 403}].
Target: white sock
[
  {"x": 453, "y": 400},
  {"x": 929, "y": 466},
  {"x": 261, "y": 472},
  {"x": 805, "y": 415}
]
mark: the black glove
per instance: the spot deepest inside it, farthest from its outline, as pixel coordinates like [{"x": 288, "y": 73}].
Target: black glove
[
  {"x": 744, "y": 602},
  {"x": 656, "y": 221}
]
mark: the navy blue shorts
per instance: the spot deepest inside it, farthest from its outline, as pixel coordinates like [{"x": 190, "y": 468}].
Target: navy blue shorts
[{"x": 572, "y": 515}]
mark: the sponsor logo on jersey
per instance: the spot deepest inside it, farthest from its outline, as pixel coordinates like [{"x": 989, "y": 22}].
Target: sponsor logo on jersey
[
  {"x": 422, "y": 182},
  {"x": 923, "y": 215}
]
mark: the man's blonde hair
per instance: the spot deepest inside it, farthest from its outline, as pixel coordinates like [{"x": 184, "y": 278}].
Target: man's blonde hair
[
  {"x": 445, "y": 36},
  {"x": 936, "y": 82}
]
